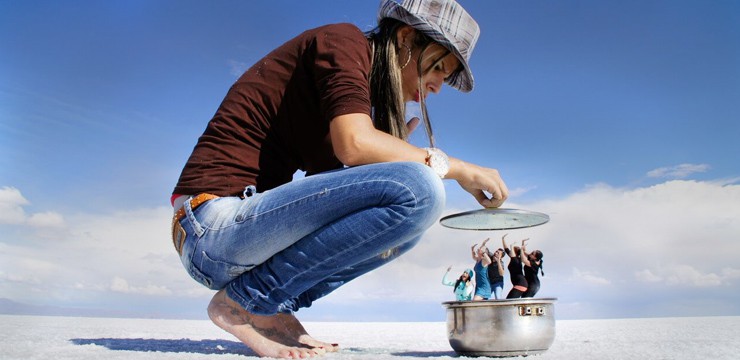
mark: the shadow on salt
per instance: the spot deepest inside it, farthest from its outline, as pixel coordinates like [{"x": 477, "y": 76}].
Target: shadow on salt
[{"x": 170, "y": 345}]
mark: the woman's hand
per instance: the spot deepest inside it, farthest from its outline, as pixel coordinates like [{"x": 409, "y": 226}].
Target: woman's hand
[{"x": 480, "y": 182}]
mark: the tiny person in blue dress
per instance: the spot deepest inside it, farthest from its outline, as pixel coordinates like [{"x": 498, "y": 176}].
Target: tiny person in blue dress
[{"x": 482, "y": 258}]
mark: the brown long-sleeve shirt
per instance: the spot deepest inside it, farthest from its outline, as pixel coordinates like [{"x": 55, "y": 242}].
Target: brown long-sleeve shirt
[{"x": 275, "y": 119}]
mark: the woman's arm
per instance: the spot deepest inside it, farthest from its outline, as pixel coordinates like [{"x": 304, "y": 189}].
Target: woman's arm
[
  {"x": 499, "y": 265},
  {"x": 444, "y": 278},
  {"x": 485, "y": 260},
  {"x": 503, "y": 241},
  {"x": 357, "y": 142},
  {"x": 511, "y": 247},
  {"x": 523, "y": 254}
]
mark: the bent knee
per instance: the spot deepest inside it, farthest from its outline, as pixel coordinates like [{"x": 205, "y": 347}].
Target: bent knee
[{"x": 426, "y": 186}]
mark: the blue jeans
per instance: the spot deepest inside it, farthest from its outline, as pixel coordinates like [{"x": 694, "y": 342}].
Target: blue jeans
[
  {"x": 497, "y": 287},
  {"x": 280, "y": 250}
]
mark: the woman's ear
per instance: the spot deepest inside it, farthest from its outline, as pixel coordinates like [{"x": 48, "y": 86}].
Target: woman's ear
[{"x": 403, "y": 34}]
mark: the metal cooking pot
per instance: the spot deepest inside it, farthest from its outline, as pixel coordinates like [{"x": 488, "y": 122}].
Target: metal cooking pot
[{"x": 516, "y": 327}]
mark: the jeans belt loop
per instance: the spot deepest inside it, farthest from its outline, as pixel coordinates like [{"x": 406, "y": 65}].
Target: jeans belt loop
[{"x": 189, "y": 213}]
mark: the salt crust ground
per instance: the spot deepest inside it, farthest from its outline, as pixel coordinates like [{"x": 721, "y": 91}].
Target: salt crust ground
[{"x": 59, "y": 338}]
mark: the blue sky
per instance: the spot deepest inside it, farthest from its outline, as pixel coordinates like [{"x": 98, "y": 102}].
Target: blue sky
[{"x": 620, "y": 119}]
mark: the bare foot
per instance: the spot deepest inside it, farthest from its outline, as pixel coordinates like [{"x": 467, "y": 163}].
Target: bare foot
[
  {"x": 298, "y": 332},
  {"x": 265, "y": 335}
]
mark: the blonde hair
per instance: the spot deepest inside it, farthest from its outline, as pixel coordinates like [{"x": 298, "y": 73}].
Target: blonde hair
[
  {"x": 436, "y": 56},
  {"x": 386, "y": 85}
]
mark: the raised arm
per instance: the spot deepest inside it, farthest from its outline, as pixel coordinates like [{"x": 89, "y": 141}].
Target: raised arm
[
  {"x": 500, "y": 266},
  {"x": 503, "y": 241},
  {"x": 525, "y": 259},
  {"x": 485, "y": 259},
  {"x": 524, "y": 246},
  {"x": 510, "y": 250},
  {"x": 444, "y": 278},
  {"x": 523, "y": 254}
]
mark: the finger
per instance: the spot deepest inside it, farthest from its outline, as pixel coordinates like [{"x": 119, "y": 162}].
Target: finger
[
  {"x": 481, "y": 197},
  {"x": 492, "y": 202},
  {"x": 496, "y": 193},
  {"x": 499, "y": 194},
  {"x": 504, "y": 190},
  {"x": 412, "y": 124}
]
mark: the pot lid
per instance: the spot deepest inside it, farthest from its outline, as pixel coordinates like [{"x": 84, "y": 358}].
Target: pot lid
[{"x": 494, "y": 219}]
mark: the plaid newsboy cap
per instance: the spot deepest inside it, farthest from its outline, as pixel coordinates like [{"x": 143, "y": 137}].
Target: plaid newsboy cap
[{"x": 445, "y": 22}]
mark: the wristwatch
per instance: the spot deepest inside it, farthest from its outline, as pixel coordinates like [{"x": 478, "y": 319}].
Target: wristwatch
[{"x": 438, "y": 161}]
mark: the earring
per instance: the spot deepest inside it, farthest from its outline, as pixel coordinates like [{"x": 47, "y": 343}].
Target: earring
[{"x": 409, "y": 58}]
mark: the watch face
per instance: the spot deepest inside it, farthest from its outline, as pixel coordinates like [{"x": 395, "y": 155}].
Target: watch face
[{"x": 438, "y": 162}]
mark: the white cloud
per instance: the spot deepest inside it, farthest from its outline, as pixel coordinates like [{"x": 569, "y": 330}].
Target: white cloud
[
  {"x": 730, "y": 274},
  {"x": 589, "y": 277},
  {"x": 647, "y": 276},
  {"x": 520, "y": 191},
  {"x": 46, "y": 219},
  {"x": 687, "y": 276},
  {"x": 79, "y": 261},
  {"x": 120, "y": 285},
  {"x": 18, "y": 279},
  {"x": 677, "y": 233},
  {"x": 12, "y": 212},
  {"x": 678, "y": 171},
  {"x": 11, "y": 206}
]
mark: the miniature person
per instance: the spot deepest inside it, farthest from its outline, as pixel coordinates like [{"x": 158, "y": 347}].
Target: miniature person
[
  {"x": 482, "y": 260},
  {"x": 463, "y": 286},
  {"x": 516, "y": 273},
  {"x": 532, "y": 265},
  {"x": 496, "y": 273}
]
